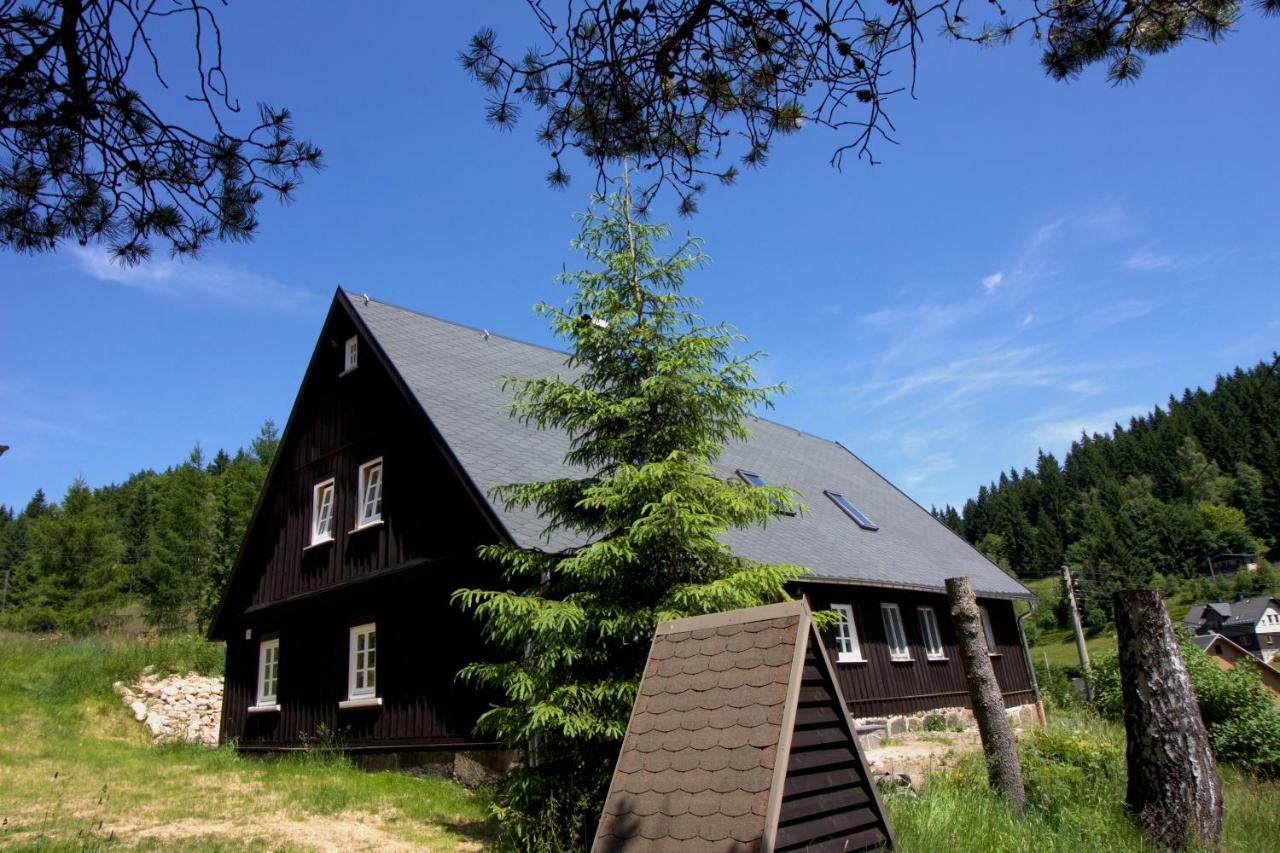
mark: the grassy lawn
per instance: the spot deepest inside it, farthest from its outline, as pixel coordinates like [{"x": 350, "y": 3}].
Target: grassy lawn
[
  {"x": 77, "y": 772},
  {"x": 1075, "y": 780}
]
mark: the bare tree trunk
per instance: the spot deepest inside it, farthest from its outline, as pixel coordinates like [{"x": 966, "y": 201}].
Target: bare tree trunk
[
  {"x": 1174, "y": 790},
  {"x": 988, "y": 703}
]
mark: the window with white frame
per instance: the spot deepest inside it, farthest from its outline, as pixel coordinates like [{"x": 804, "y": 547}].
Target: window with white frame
[
  {"x": 986, "y": 630},
  {"x": 932, "y": 636},
  {"x": 363, "y": 682},
  {"x": 351, "y": 354},
  {"x": 894, "y": 632},
  {"x": 848, "y": 649},
  {"x": 370, "y": 493},
  {"x": 322, "y": 513},
  {"x": 268, "y": 671}
]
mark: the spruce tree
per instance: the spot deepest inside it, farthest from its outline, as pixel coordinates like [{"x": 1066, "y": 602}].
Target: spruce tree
[
  {"x": 181, "y": 545},
  {"x": 649, "y": 397}
]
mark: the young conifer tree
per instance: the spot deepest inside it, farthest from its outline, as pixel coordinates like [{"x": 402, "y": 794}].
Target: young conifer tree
[{"x": 649, "y": 397}]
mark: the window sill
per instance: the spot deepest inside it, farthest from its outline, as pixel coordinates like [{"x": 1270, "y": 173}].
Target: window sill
[
  {"x": 362, "y": 702},
  {"x": 319, "y": 544},
  {"x": 995, "y": 654},
  {"x": 893, "y": 659},
  {"x": 264, "y": 709},
  {"x": 366, "y": 526},
  {"x": 348, "y": 371},
  {"x": 938, "y": 658},
  {"x": 851, "y": 660}
]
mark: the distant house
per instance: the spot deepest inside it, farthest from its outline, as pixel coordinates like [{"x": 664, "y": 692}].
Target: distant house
[
  {"x": 1227, "y": 653},
  {"x": 1251, "y": 623},
  {"x": 337, "y": 615},
  {"x": 1229, "y": 564}
]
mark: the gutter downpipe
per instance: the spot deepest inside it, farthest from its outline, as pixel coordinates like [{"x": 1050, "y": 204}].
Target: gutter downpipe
[{"x": 1031, "y": 667}]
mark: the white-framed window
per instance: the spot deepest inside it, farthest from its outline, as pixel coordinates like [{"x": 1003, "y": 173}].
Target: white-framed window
[
  {"x": 986, "y": 630},
  {"x": 322, "y": 512},
  {"x": 894, "y": 632},
  {"x": 363, "y": 681},
  {"x": 370, "y": 493},
  {"x": 848, "y": 649},
  {"x": 932, "y": 636},
  {"x": 268, "y": 671},
  {"x": 351, "y": 354}
]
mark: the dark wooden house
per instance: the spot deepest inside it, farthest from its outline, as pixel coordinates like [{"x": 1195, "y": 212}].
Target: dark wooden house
[
  {"x": 1253, "y": 623},
  {"x": 337, "y": 615}
]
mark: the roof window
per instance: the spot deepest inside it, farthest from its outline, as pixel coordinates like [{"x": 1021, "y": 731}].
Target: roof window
[
  {"x": 851, "y": 510},
  {"x": 751, "y": 478}
]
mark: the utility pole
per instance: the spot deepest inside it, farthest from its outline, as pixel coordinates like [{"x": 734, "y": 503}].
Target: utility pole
[{"x": 1081, "y": 648}]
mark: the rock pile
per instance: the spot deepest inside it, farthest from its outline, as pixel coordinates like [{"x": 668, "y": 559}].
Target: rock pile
[{"x": 177, "y": 707}]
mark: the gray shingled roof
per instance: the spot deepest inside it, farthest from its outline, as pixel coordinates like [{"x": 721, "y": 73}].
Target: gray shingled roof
[
  {"x": 453, "y": 371},
  {"x": 1244, "y": 613}
]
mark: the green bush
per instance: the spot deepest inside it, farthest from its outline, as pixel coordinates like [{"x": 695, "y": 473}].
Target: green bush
[
  {"x": 935, "y": 723},
  {"x": 1055, "y": 686},
  {"x": 1239, "y": 715}
]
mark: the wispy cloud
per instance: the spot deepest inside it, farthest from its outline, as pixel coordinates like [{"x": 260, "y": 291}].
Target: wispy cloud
[
  {"x": 1145, "y": 258},
  {"x": 1059, "y": 433},
  {"x": 1119, "y": 312},
  {"x": 192, "y": 278},
  {"x": 991, "y": 282}
]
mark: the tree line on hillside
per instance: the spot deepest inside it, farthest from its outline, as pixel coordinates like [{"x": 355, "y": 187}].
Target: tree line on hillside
[
  {"x": 1148, "y": 503},
  {"x": 164, "y": 541}
]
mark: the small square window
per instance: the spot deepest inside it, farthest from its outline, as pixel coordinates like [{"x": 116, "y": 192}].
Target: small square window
[
  {"x": 322, "y": 513},
  {"x": 363, "y": 681},
  {"x": 848, "y": 649},
  {"x": 894, "y": 633},
  {"x": 370, "y": 493},
  {"x": 268, "y": 671},
  {"x": 351, "y": 354}
]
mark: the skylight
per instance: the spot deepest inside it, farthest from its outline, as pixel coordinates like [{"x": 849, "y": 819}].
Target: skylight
[
  {"x": 851, "y": 510},
  {"x": 751, "y": 478}
]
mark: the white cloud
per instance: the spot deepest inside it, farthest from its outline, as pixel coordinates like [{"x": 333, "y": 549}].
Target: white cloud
[
  {"x": 1119, "y": 312},
  {"x": 991, "y": 282},
  {"x": 1028, "y": 319},
  {"x": 926, "y": 468},
  {"x": 1146, "y": 259},
  {"x": 207, "y": 279},
  {"x": 1058, "y": 434}
]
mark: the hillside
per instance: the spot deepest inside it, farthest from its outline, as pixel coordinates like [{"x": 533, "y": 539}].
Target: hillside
[
  {"x": 1148, "y": 502},
  {"x": 76, "y": 771}
]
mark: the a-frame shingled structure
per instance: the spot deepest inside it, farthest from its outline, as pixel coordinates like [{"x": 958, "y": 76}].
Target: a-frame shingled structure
[{"x": 740, "y": 741}]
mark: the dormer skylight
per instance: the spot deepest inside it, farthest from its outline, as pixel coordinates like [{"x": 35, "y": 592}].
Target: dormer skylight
[{"x": 851, "y": 510}]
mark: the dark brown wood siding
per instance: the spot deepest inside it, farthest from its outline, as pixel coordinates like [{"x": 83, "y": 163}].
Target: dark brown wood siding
[
  {"x": 882, "y": 686},
  {"x": 339, "y": 423},
  {"x": 422, "y": 643},
  {"x": 827, "y": 800}
]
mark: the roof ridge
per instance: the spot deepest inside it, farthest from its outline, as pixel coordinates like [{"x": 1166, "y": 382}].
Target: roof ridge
[{"x": 353, "y": 296}]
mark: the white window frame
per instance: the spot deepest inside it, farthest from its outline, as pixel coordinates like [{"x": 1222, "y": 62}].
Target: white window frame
[
  {"x": 317, "y": 494},
  {"x": 987, "y": 630},
  {"x": 363, "y": 520},
  {"x": 929, "y": 628},
  {"x": 268, "y": 701},
  {"x": 351, "y": 354},
  {"x": 848, "y": 649},
  {"x": 369, "y": 689},
  {"x": 892, "y": 625}
]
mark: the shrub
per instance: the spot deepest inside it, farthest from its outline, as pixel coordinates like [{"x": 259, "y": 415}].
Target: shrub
[
  {"x": 1055, "y": 686},
  {"x": 1240, "y": 716},
  {"x": 935, "y": 723}
]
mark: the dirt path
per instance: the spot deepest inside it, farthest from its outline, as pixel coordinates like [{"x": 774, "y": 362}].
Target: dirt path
[{"x": 920, "y": 753}]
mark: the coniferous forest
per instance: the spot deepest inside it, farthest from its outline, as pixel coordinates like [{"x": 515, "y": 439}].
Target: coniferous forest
[
  {"x": 1148, "y": 503},
  {"x": 158, "y": 546}
]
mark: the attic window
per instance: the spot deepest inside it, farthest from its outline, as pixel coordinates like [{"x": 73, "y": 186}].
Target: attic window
[
  {"x": 370, "y": 494},
  {"x": 851, "y": 510},
  {"x": 350, "y": 354},
  {"x": 322, "y": 513},
  {"x": 751, "y": 478}
]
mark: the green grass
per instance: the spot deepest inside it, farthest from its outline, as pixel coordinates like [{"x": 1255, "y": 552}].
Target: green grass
[
  {"x": 77, "y": 772},
  {"x": 1075, "y": 780}
]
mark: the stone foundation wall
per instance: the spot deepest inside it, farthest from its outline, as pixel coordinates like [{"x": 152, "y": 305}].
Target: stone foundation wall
[
  {"x": 176, "y": 707},
  {"x": 953, "y": 719}
]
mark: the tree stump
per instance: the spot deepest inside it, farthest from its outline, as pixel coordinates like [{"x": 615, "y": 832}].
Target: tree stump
[
  {"x": 988, "y": 703},
  {"x": 1174, "y": 790}
]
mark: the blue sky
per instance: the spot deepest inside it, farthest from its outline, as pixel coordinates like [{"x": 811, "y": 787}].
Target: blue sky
[{"x": 1032, "y": 259}]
